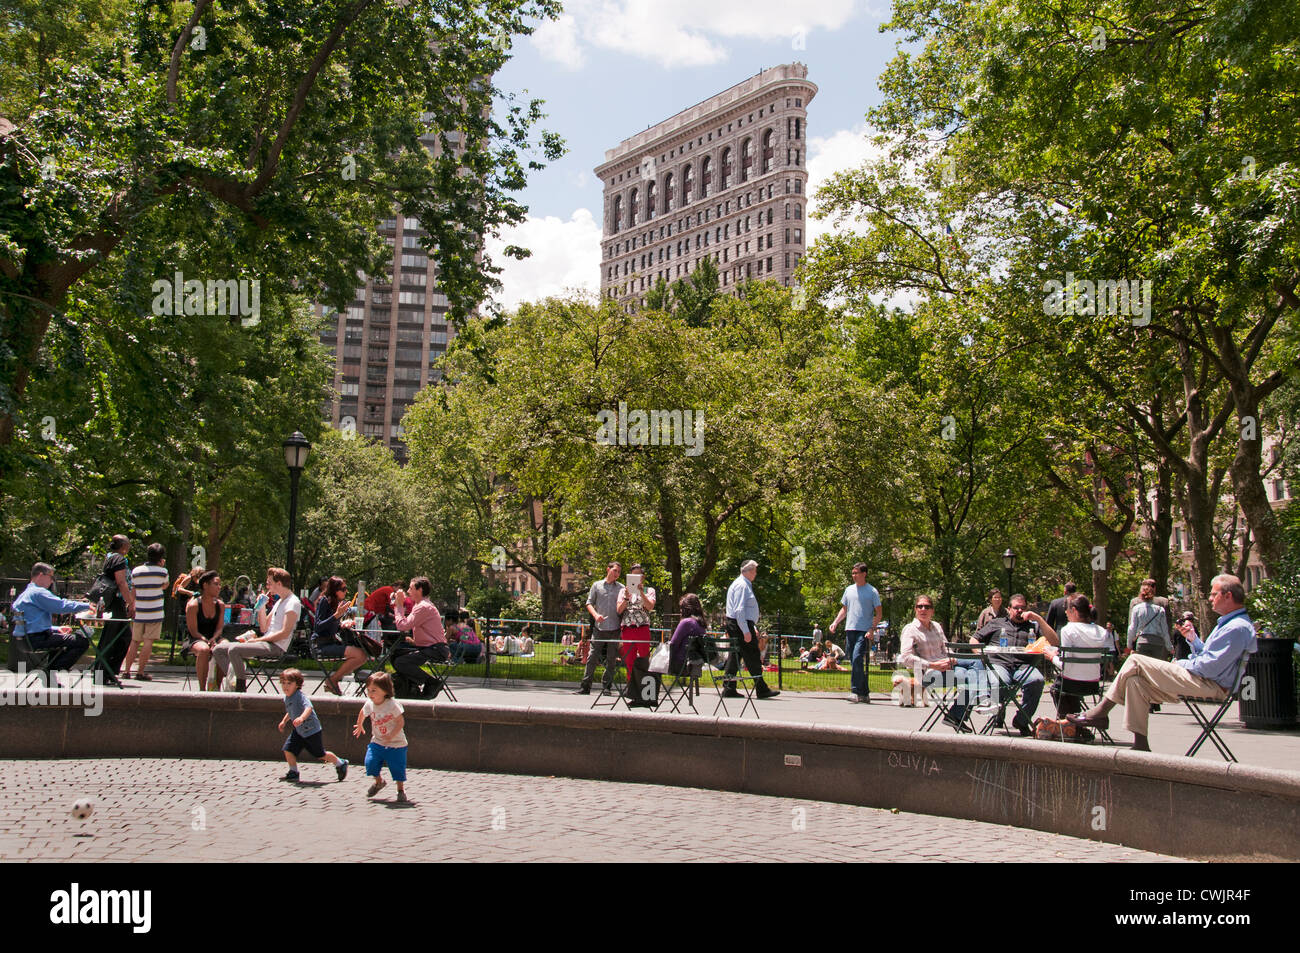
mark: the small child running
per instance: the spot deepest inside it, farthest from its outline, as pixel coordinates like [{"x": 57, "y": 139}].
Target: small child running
[
  {"x": 307, "y": 732},
  {"x": 388, "y": 740}
]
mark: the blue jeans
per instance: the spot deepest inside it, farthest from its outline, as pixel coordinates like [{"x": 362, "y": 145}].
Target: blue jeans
[
  {"x": 1033, "y": 683},
  {"x": 975, "y": 677},
  {"x": 859, "y": 647}
]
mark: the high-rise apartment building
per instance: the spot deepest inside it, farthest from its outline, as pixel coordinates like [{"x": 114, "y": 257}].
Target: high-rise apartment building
[
  {"x": 725, "y": 178},
  {"x": 386, "y": 340}
]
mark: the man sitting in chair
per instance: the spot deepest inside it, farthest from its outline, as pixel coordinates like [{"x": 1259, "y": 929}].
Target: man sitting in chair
[
  {"x": 1021, "y": 627},
  {"x": 1210, "y": 672}
]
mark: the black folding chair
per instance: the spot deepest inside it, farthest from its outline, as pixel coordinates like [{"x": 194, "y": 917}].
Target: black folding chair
[
  {"x": 441, "y": 671},
  {"x": 682, "y": 688},
  {"x": 742, "y": 680},
  {"x": 385, "y": 657},
  {"x": 1209, "y": 725},
  {"x": 329, "y": 664},
  {"x": 944, "y": 702},
  {"x": 264, "y": 671},
  {"x": 34, "y": 660},
  {"x": 1086, "y": 690}
]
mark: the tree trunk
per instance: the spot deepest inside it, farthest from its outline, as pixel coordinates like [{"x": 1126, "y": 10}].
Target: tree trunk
[{"x": 1162, "y": 526}]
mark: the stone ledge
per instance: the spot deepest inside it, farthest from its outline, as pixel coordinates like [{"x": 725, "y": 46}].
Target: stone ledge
[{"x": 1156, "y": 802}]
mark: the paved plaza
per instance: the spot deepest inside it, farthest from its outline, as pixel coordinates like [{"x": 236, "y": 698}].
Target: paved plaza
[
  {"x": 168, "y": 810},
  {"x": 1172, "y": 730}
]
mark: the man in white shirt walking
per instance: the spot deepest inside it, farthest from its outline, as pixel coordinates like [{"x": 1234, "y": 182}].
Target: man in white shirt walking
[
  {"x": 742, "y": 632},
  {"x": 150, "y": 583}
]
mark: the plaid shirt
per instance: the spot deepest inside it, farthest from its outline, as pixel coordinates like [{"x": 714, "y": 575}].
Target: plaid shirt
[{"x": 922, "y": 645}]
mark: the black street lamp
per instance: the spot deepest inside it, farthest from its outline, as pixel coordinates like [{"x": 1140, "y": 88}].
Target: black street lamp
[
  {"x": 296, "y": 449},
  {"x": 1008, "y": 563}
]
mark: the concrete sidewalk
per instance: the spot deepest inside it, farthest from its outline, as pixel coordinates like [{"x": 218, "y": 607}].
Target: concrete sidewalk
[{"x": 1172, "y": 731}]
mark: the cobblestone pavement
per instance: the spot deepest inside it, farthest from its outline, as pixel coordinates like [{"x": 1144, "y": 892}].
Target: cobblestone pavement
[{"x": 169, "y": 810}]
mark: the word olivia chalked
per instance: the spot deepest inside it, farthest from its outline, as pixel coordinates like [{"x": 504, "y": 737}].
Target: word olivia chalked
[
  {"x": 652, "y": 428},
  {"x": 179, "y": 296},
  {"x": 75, "y": 906},
  {"x": 1080, "y": 296}
]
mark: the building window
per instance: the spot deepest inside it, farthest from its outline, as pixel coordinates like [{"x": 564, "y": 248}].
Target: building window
[
  {"x": 767, "y": 151},
  {"x": 726, "y": 168},
  {"x": 669, "y": 194},
  {"x": 631, "y": 206},
  {"x": 650, "y": 200},
  {"x": 706, "y": 175},
  {"x": 798, "y": 129},
  {"x": 617, "y": 220},
  {"x": 746, "y": 158}
]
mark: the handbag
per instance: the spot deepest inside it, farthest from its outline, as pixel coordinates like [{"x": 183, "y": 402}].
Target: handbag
[{"x": 659, "y": 660}]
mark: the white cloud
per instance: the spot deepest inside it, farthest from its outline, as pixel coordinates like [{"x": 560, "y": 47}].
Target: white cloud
[
  {"x": 673, "y": 33},
  {"x": 557, "y": 41},
  {"x": 566, "y": 257},
  {"x": 842, "y": 150}
]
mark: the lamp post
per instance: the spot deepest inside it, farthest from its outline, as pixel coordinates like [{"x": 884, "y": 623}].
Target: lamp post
[
  {"x": 1008, "y": 563},
  {"x": 887, "y": 640},
  {"x": 296, "y": 449}
]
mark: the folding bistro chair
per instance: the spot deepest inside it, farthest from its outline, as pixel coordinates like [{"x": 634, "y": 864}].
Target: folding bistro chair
[
  {"x": 682, "y": 688},
  {"x": 110, "y": 676},
  {"x": 744, "y": 682},
  {"x": 1079, "y": 655},
  {"x": 265, "y": 672},
  {"x": 22, "y": 651},
  {"x": 441, "y": 671},
  {"x": 944, "y": 702},
  {"x": 329, "y": 664},
  {"x": 360, "y": 676},
  {"x": 1209, "y": 725}
]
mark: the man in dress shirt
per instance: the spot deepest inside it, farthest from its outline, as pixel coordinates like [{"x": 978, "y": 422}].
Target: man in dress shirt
[
  {"x": 742, "y": 632},
  {"x": 36, "y": 604},
  {"x": 1210, "y": 671}
]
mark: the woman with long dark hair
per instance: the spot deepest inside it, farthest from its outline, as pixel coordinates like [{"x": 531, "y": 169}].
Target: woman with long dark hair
[
  {"x": 205, "y": 617},
  {"x": 334, "y": 636}
]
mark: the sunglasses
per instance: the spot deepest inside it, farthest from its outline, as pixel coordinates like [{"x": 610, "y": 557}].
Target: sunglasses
[{"x": 924, "y": 606}]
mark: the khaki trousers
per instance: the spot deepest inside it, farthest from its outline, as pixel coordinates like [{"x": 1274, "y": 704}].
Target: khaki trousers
[{"x": 1144, "y": 681}]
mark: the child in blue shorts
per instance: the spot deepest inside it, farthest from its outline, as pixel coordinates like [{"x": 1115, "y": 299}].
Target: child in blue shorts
[
  {"x": 307, "y": 732},
  {"x": 387, "y": 739}
]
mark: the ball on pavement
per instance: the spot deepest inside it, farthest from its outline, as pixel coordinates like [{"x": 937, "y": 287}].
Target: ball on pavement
[{"x": 83, "y": 808}]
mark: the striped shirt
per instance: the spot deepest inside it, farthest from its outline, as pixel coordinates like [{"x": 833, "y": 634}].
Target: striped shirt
[{"x": 149, "y": 582}]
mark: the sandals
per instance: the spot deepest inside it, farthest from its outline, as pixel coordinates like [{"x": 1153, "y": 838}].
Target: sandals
[
  {"x": 1082, "y": 721},
  {"x": 331, "y": 687}
]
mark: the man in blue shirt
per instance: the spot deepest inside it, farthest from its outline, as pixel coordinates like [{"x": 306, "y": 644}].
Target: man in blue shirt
[
  {"x": 742, "y": 619},
  {"x": 861, "y": 603},
  {"x": 36, "y": 605},
  {"x": 1210, "y": 672}
]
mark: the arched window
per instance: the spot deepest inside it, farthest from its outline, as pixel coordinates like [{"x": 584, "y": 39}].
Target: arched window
[
  {"x": 746, "y": 159},
  {"x": 650, "y": 200},
  {"x": 769, "y": 216},
  {"x": 726, "y": 168},
  {"x": 617, "y": 219},
  {"x": 669, "y": 196},
  {"x": 768, "y": 150},
  {"x": 631, "y": 206},
  {"x": 688, "y": 184},
  {"x": 706, "y": 175}
]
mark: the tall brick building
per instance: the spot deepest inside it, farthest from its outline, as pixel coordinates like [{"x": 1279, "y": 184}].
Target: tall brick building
[
  {"x": 385, "y": 341},
  {"x": 725, "y": 178}
]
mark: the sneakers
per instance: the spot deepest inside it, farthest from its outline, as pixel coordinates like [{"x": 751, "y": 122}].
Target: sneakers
[
  {"x": 765, "y": 692},
  {"x": 402, "y": 798},
  {"x": 855, "y": 699},
  {"x": 341, "y": 769},
  {"x": 290, "y": 776},
  {"x": 583, "y": 690},
  {"x": 143, "y": 677},
  {"x": 985, "y": 707},
  {"x": 375, "y": 788}
]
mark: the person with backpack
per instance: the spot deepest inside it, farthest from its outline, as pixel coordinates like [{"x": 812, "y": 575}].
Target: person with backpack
[{"x": 114, "y": 587}]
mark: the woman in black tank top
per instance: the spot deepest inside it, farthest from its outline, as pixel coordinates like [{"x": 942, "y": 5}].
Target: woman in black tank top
[{"x": 204, "y": 620}]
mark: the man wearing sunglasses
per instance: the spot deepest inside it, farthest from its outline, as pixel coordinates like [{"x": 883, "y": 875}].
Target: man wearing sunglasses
[{"x": 1021, "y": 627}]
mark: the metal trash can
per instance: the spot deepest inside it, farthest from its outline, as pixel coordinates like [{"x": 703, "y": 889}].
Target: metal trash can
[{"x": 1268, "y": 695}]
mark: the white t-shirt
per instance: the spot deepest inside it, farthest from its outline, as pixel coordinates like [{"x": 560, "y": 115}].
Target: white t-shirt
[
  {"x": 1084, "y": 635},
  {"x": 283, "y": 607},
  {"x": 381, "y": 722}
]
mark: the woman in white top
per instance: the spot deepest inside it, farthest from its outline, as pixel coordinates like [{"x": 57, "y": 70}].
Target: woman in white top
[{"x": 1078, "y": 679}]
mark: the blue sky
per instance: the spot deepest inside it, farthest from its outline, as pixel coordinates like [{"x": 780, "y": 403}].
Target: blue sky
[{"x": 610, "y": 68}]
